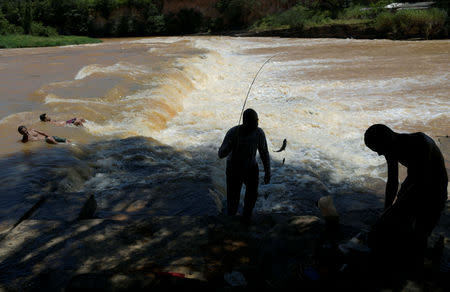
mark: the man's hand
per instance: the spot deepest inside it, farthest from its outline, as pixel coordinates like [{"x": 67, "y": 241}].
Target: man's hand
[{"x": 267, "y": 178}]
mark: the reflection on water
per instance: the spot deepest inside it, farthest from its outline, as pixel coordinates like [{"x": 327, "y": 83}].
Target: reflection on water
[{"x": 186, "y": 92}]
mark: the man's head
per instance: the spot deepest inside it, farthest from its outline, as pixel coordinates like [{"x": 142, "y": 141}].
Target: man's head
[
  {"x": 379, "y": 138},
  {"x": 250, "y": 119},
  {"x": 22, "y": 130},
  {"x": 44, "y": 118}
]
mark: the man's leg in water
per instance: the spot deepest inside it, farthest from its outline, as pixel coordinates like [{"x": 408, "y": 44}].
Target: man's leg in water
[
  {"x": 234, "y": 185},
  {"x": 251, "y": 193},
  {"x": 50, "y": 140}
]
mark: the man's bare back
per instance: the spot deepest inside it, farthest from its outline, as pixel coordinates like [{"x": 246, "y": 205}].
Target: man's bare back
[
  {"x": 399, "y": 237},
  {"x": 74, "y": 121},
  {"x": 32, "y": 135}
]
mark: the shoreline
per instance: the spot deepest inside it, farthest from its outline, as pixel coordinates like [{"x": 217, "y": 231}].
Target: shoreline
[
  {"x": 17, "y": 41},
  {"x": 337, "y": 31}
]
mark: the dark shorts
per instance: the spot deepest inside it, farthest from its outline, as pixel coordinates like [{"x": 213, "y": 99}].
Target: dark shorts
[
  {"x": 71, "y": 121},
  {"x": 59, "y": 139}
]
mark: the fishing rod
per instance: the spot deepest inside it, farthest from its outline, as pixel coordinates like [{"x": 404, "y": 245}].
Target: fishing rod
[
  {"x": 245, "y": 102},
  {"x": 250, "y": 88},
  {"x": 248, "y": 93}
]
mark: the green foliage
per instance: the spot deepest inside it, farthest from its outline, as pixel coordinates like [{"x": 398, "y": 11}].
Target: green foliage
[
  {"x": 356, "y": 12},
  {"x": 8, "y": 28},
  {"x": 333, "y": 6},
  {"x": 88, "y": 17},
  {"x": 38, "y": 29},
  {"x": 23, "y": 41},
  {"x": 104, "y": 7},
  {"x": 292, "y": 18},
  {"x": 234, "y": 12},
  {"x": 385, "y": 22},
  {"x": 155, "y": 24},
  {"x": 27, "y": 19},
  {"x": 297, "y": 17},
  {"x": 408, "y": 23},
  {"x": 443, "y": 4},
  {"x": 186, "y": 21},
  {"x": 144, "y": 17}
]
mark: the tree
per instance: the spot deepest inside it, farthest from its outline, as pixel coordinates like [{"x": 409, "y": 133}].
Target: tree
[{"x": 27, "y": 18}]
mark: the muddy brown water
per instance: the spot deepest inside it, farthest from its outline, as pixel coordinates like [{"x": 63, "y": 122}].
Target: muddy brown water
[{"x": 157, "y": 110}]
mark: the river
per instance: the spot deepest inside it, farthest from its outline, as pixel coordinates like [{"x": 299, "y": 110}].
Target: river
[{"x": 157, "y": 109}]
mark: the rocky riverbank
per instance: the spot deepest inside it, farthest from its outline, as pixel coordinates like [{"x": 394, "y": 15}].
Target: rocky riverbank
[{"x": 58, "y": 244}]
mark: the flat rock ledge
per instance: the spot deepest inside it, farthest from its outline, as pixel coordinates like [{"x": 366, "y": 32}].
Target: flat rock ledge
[
  {"x": 154, "y": 252},
  {"x": 55, "y": 243}
]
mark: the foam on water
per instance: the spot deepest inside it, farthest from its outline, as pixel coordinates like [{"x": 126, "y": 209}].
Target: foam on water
[
  {"x": 323, "y": 119},
  {"x": 192, "y": 91},
  {"x": 118, "y": 68}
]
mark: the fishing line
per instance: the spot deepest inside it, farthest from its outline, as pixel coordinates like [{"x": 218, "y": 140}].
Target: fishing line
[
  {"x": 250, "y": 88},
  {"x": 248, "y": 93}
]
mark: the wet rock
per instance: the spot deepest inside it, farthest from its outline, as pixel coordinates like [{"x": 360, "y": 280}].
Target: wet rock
[
  {"x": 15, "y": 209},
  {"x": 66, "y": 207},
  {"x": 88, "y": 209}
]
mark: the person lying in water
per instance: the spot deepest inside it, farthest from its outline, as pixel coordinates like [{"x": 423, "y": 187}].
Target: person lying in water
[
  {"x": 32, "y": 135},
  {"x": 73, "y": 121}
]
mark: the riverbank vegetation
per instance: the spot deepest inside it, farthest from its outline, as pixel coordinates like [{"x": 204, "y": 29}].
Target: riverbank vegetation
[
  {"x": 25, "y": 41},
  {"x": 123, "y": 18},
  {"x": 425, "y": 23},
  {"x": 398, "y": 24}
]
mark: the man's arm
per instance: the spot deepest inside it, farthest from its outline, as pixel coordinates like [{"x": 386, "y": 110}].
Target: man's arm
[
  {"x": 392, "y": 182},
  {"x": 227, "y": 143},
  {"x": 42, "y": 133},
  {"x": 265, "y": 157}
]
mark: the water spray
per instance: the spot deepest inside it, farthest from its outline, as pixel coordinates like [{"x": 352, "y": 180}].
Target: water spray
[
  {"x": 248, "y": 93},
  {"x": 250, "y": 88},
  {"x": 245, "y": 102}
]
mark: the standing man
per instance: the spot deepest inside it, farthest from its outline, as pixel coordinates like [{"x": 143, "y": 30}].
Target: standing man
[
  {"x": 240, "y": 145},
  {"x": 405, "y": 225}
]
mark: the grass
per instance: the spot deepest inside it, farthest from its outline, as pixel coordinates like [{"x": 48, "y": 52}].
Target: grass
[
  {"x": 337, "y": 22},
  {"x": 26, "y": 41},
  {"x": 425, "y": 23},
  {"x": 303, "y": 18},
  {"x": 401, "y": 24}
]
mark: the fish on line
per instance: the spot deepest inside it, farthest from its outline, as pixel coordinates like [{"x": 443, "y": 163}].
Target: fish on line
[{"x": 282, "y": 147}]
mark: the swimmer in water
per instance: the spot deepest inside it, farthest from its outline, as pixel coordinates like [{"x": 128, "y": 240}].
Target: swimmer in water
[
  {"x": 74, "y": 121},
  {"x": 33, "y": 135}
]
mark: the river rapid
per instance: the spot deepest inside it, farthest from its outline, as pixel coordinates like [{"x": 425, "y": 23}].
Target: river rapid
[{"x": 157, "y": 109}]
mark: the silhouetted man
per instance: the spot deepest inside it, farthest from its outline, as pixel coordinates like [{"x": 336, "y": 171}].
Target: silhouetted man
[
  {"x": 240, "y": 145},
  {"x": 406, "y": 223}
]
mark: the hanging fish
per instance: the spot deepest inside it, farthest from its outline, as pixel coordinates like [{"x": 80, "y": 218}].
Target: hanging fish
[
  {"x": 284, "y": 159},
  {"x": 283, "y": 146}
]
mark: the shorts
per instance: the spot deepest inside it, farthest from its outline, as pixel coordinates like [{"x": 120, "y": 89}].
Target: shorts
[{"x": 59, "y": 139}]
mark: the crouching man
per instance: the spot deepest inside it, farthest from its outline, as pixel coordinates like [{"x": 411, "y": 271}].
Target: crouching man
[{"x": 411, "y": 213}]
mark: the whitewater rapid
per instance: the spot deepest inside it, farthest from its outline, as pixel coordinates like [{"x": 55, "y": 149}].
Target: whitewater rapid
[{"x": 186, "y": 92}]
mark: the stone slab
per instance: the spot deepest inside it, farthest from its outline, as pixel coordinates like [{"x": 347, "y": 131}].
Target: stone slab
[
  {"x": 53, "y": 255},
  {"x": 61, "y": 207}
]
